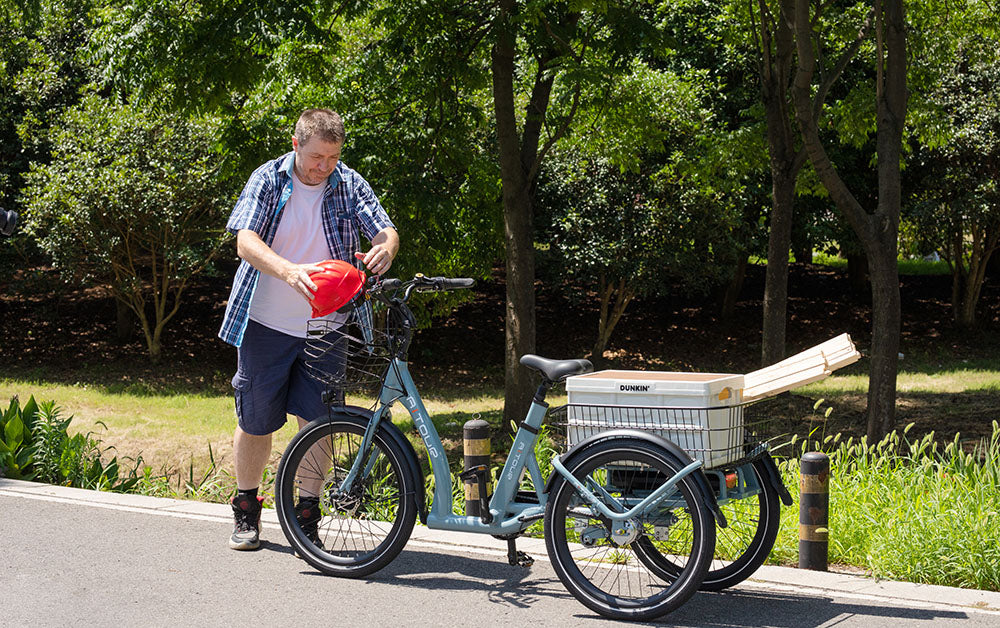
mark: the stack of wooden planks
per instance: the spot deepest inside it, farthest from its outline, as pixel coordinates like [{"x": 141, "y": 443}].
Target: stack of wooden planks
[{"x": 802, "y": 368}]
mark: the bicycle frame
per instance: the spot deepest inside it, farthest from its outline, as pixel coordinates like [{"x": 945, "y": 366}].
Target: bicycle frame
[{"x": 509, "y": 516}]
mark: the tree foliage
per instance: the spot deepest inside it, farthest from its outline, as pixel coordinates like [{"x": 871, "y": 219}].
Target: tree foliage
[
  {"x": 42, "y": 71},
  {"x": 637, "y": 212},
  {"x": 651, "y": 113},
  {"x": 954, "y": 200},
  {"x": 131, "y": 199}
]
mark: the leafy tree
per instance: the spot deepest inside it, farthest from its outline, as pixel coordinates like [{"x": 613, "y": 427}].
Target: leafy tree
[
  {"x": 412, "y": 84},
  {"x": 772, "y": 30},
  {"x": 410, "y": 81},
  {"x": 133, "y": 199},
  {"x": 953, "y": 204},
  {"x": 775, "y": 45},
  {"x": 41, "y": 74},
  {"x": 640, "y": 211},
  {"x": 535, "y": 62},
  {"x": 631, "y": 234},
  {"x": 545, "y": 56}
]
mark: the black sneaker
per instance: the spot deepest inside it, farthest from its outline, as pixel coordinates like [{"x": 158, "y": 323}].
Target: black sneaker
[
  {"x": 308, "y": 515},
  {"x": 246, "y": 516}
]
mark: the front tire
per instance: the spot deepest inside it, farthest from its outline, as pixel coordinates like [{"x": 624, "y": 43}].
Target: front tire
[
  {"x": 356, "y": 531},
  {"x": 597, "y": 561}
]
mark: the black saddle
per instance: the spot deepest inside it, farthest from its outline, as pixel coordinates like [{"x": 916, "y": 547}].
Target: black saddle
[{"x": 556, "y": 370}]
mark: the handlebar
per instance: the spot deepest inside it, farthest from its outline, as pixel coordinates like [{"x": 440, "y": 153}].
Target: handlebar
[
  {"x": 419, "y": 283},
  {"x": 396, "y": 292}
]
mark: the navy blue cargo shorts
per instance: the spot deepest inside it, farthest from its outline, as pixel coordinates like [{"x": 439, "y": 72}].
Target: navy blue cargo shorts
[{"x": 272, "y": 381}]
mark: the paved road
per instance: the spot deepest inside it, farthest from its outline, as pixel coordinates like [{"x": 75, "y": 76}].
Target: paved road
[{"x": 70, "y": 557}]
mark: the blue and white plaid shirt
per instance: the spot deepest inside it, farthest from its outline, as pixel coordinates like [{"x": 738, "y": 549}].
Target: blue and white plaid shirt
[{"x": 349, "y": 204}]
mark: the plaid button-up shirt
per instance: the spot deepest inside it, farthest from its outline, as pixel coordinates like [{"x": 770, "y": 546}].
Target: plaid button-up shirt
[{"x": 349, "y": 204}]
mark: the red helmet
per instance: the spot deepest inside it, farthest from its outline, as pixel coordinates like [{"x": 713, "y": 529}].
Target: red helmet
[{"x": 336, "y": 285}]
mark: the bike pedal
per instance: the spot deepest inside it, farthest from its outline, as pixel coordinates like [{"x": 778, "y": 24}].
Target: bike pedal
[
  {"x": 523, "y": 560},
  {"x": 516, "y": 558}
]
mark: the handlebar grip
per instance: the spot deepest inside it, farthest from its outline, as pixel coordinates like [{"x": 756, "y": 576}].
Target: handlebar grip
[
  {"x": 454, "y": 283},
  {"x": 391, "y": 284}
]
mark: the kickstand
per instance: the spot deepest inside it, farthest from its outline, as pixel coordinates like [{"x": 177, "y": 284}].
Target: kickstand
[{"x": 516, "y": 558}]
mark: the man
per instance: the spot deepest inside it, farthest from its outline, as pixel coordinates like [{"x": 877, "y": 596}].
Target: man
[{"x": 295, "y": 211}]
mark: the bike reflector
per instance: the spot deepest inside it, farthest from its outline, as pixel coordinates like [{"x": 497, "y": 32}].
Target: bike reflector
[{"x": 336, "y": 285}]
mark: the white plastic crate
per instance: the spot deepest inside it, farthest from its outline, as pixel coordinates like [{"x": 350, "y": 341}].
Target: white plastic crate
[{"x": 700, "y": 412}]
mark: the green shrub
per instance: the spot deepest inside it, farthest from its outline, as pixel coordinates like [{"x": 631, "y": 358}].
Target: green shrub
[
  {"x": 36, "y": 445},
  {"x": 16, "y": 427}
]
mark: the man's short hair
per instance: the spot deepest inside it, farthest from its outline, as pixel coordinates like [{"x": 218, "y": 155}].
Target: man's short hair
[{"x": 323, "y": 123}]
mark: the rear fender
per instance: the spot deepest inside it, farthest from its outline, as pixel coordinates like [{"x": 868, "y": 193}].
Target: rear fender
[{"x": 774, "y": 477}]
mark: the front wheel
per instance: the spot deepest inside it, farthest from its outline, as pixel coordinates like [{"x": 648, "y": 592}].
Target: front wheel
[
  {"x": 597, "y": 560},
  {"x": 349, "y": 531}
]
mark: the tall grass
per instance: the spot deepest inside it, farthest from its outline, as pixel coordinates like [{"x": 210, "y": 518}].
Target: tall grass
[{"x": 910, "y": 510}]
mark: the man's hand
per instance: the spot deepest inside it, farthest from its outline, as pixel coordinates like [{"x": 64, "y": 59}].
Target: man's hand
[
  {"x": 377, "y": 260},
  {"x": 250, "y": 247},
  {"x": 385, "y": 245},
  {"x": 297, "y": 276}
]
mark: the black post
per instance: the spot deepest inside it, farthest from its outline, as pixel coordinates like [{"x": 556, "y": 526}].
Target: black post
[{"x": 814, "y": 510}]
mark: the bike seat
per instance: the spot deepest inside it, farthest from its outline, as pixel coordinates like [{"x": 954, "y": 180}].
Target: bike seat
[{"x": 556, "y": 370}]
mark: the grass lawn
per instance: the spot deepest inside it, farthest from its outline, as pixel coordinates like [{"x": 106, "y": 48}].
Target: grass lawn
[{"x": 173, "y": 431}]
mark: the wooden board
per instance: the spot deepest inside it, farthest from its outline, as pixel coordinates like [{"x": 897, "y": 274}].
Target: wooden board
[{"x": 803, "y": 368}]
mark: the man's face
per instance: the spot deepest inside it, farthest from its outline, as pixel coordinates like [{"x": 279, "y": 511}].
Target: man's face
[{"x": 315, "y": 160}]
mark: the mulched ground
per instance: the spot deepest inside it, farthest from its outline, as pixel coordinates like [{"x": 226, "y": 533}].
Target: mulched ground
[{"x": 53, "y": 332}]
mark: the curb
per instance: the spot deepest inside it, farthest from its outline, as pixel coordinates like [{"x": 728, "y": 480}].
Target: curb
[{"x": 768, "y": 576}]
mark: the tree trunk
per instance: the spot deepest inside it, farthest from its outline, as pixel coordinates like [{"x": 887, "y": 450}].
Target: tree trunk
[
  {"x": 777, "y": 45},
  {"x": 877, "y": 231},
  {"x": 892, "y": 97},
  {"x": 615, "y": 297},
  {"x": 886, "y": 328},
  {"x": 727, "y": 307},
  {"x": 969, "y": 275},
  {"x": 776, "y": 276},
  {"x": 125, "y": 322},
  {"x": 518, "y": 156}
]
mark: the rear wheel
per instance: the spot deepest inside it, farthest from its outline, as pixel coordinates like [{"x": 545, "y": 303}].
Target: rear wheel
[
  {"x": 349, "y": 531},
  {"x": 743, "y": 545},
  {"x": 596, "y": 558}
]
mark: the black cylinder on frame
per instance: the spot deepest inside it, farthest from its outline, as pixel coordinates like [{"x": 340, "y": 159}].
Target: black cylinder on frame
[
  {"x": 814, "y": 510},
  {"x": 476, "y": 448}
]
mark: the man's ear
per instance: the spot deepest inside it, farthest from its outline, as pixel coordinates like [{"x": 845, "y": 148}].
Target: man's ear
[{"x": 295, "y": 143}]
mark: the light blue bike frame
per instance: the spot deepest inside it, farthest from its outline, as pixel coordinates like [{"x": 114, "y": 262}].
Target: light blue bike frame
[{"x": 509, "y": 517}]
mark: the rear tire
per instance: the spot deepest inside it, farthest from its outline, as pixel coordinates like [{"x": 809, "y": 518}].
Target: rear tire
[
  {"x": 360, "y": 530},
  {"x": 742, "y": 546},
  {"x": 598, "y": 562}
]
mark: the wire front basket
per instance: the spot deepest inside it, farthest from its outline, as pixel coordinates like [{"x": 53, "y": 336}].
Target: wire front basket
[
  {"x": 349, "y": 358},
  {"x": 725, "y": 436}
]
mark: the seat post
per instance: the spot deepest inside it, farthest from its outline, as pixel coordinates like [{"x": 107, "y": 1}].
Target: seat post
[{"x": 543, "y": 389}]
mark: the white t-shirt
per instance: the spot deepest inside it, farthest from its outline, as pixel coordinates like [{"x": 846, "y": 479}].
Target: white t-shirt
[{"x": 300, "y": 240}]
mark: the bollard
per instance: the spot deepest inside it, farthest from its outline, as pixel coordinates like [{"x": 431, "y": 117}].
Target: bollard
[
  {"x": 476, "y": 448},
  {"x": 814, "y": 510}
]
